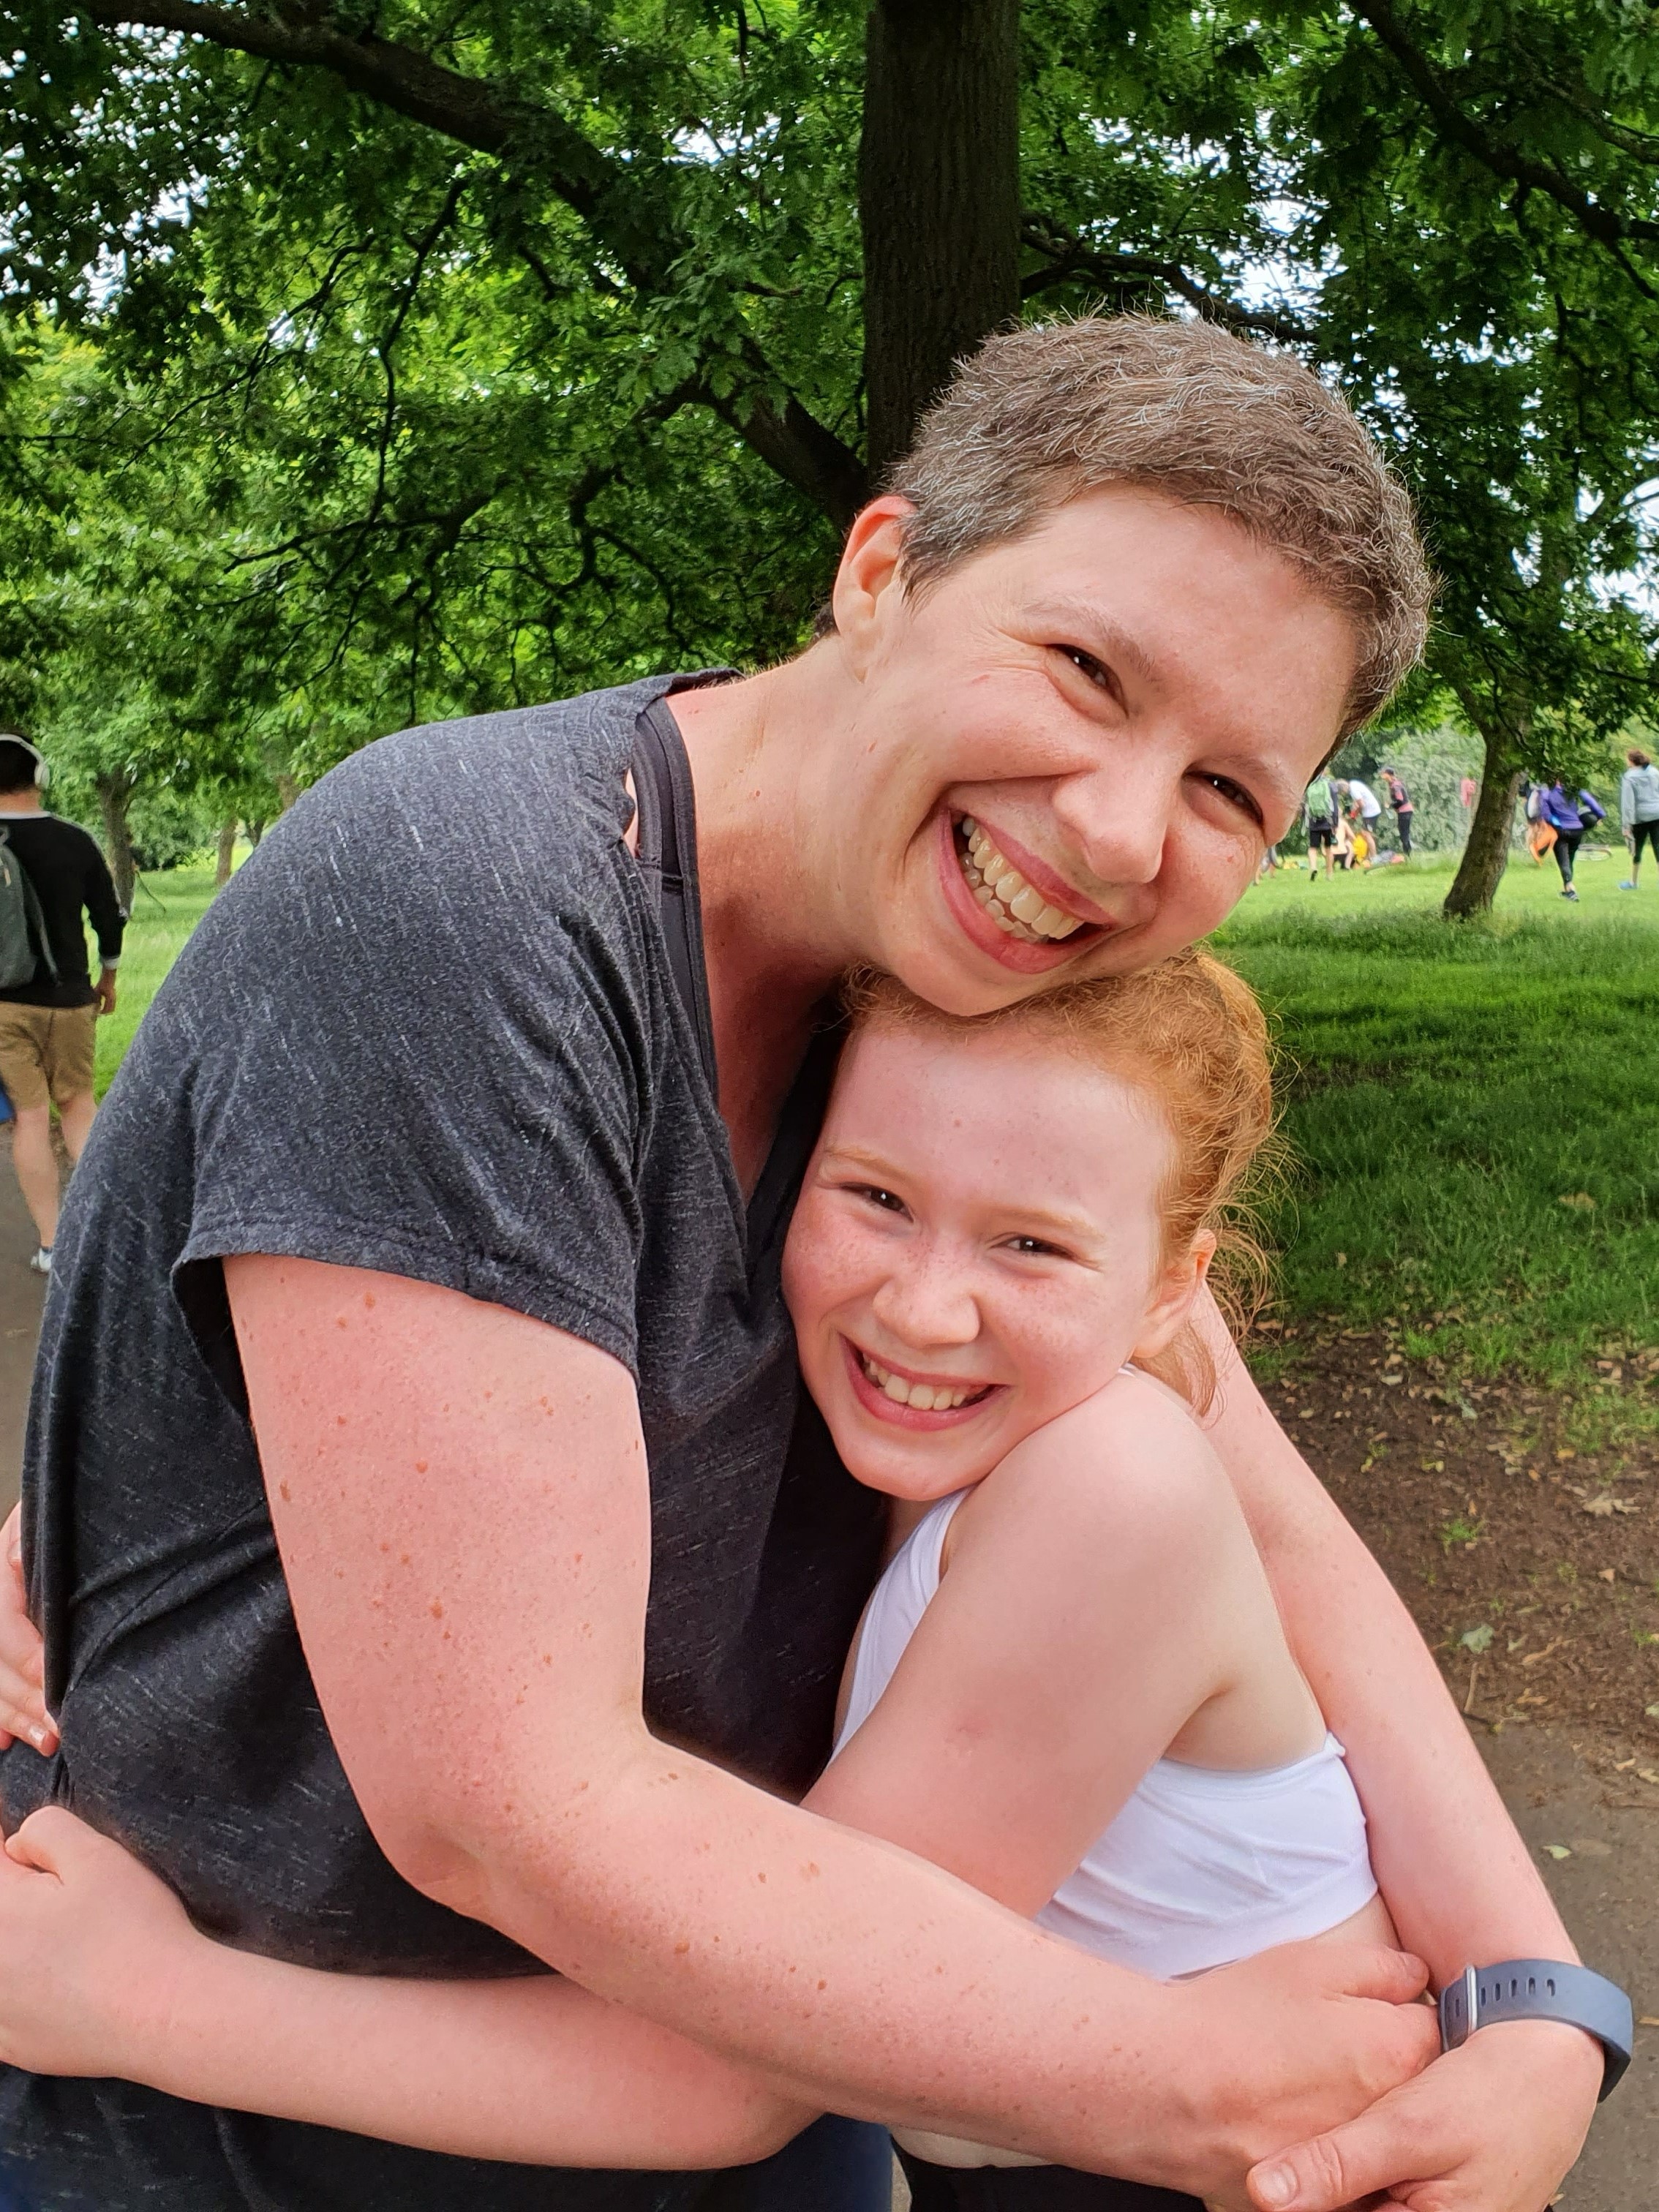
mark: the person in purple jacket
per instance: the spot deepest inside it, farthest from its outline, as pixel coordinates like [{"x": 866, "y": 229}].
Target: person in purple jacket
[{"x": 1569, "y": 819}]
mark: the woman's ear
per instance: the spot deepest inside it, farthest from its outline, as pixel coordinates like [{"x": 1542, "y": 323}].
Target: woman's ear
[
  {"x": 868, "y": 589},
  {"x": 1175, "y": 1296}
]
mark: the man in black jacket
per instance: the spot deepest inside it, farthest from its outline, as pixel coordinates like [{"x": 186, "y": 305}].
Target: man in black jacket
[{"x": 46, "y": 1024}]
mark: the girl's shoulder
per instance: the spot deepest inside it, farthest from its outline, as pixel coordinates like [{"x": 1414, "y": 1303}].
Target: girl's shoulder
[{"x": 1129, "y": 1468}]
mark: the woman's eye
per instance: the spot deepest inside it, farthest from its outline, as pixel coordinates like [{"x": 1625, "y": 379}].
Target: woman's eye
[
  {"x": 1098, "y": 673},
  {"x": 1234, "y": 794}
]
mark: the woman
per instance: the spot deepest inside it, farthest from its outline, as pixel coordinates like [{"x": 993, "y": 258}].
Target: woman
[
  {"x": 464, "y": 1133},
  {"x": 1568, "y": 819},
  {"x": 1639, "y": 811}
]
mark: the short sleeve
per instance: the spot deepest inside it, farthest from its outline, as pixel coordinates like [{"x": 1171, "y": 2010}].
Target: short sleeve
[{"x": 418, "y": 1032}]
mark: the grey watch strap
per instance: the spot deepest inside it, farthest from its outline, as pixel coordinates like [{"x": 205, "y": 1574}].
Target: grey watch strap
[{"x": 1541, "y": 1989}]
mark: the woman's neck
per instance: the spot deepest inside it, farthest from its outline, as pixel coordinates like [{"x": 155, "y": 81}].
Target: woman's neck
[{"x": 770, "y": 946}]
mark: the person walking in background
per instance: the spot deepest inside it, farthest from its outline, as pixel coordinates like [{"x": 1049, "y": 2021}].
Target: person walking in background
[
  {"x": 1365, "y": 814},
  {"x": 1568, "y": 819},
  {"x": 1400, "y": 799},
  {"x": 1639, "y": 811},
  {"x": 46, "y": 1023},
  {"x": 1540, "y": 838},
  {"x": 1465, "y": 791},
  {"x": 1319, "y": 812}
]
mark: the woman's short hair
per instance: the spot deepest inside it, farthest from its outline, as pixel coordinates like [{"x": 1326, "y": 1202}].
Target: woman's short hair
[{"x": 1040, "y": 414}]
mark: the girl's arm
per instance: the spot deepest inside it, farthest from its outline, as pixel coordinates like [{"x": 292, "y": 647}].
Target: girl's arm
[{"x": 106, "y": 1975}]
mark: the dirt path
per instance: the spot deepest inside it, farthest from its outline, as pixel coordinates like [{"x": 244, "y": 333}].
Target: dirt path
[{"x": 1567, "y": 1737}]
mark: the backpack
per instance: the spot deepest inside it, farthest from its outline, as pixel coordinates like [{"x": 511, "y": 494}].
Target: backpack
[
  {"x": 23, "y": 925},
  {"x": 1535, "y": 805},
  {"x": 1321, "y": 799}
]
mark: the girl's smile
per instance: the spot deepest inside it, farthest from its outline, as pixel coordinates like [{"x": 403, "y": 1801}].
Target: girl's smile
[{"x": 978, "y": 1247}]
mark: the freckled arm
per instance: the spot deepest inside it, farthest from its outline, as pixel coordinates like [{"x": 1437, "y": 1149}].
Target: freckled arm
[
  {"x": 1455, "y": 1871},
  {"x": 460, "y": 1499}
]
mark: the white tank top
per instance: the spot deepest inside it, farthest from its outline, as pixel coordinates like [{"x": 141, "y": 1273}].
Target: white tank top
[{"x": 1199, "y": 1868}]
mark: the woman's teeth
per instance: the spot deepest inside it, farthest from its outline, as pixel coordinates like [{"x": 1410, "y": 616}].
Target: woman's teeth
[
  {"x": 926, "y": 1397},
  {"x": 1006, "y": 896}
]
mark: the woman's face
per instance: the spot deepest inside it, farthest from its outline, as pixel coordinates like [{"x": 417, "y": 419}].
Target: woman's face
[
  {"x": 976, "y": 1249},
  {"x": 1108, "y": 718}
]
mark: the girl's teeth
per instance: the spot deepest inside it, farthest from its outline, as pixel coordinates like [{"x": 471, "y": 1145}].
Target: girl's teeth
[
  {"x": 1006, "y": 896},
  {"x": 924, "y": 1397}
]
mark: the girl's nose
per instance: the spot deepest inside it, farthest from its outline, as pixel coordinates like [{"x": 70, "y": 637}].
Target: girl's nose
[{"x": 928, "y": 1303}]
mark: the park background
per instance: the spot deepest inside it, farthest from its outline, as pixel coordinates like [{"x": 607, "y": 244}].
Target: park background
[{"x": 359, "y": 367}]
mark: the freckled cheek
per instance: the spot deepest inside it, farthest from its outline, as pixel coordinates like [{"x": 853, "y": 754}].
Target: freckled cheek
[
  {"x": 1067, "y": 1351},
  {"x": 826, "y": 1263}
]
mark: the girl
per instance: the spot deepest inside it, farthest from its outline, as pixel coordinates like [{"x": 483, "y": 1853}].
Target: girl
[{"x": 1070, "y": 1687}]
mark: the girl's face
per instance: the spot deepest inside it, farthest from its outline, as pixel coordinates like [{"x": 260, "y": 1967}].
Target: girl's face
[{"x": 977, "y": 1249}]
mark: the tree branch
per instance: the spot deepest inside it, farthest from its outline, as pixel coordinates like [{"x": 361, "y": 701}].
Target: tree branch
[
  {"x": 1070, "y": 262},
  {"x": 1596, "y": 219},
  {"x": 625, "y": 218}
]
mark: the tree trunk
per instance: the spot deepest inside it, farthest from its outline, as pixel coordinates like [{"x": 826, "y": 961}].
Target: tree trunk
[
  {"x": 115, "y": 798},
  {"x": 227, "y": 853},
  {"x": 255, "y": 831},
  {"x": 938, "y": 199},
  {"x": 287, "y": 789},
  {"x": 1484, "y": 857}
]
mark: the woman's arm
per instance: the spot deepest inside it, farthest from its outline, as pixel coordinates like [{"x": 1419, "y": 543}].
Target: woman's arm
[
  {"x": 1002, "y": 1750},
  {"x": 106, "y": 1975},
  {"x": 1457, "y": 1876}
]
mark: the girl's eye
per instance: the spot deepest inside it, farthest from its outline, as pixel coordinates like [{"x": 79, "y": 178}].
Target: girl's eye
[
  {"x": 1234, "y": 794},
  {"x": 884, "y": 1199},
  {"x": 1033, "y": 1248}
]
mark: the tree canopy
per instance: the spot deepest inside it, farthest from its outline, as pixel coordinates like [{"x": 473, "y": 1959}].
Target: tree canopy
[{"x": 370, "y": 364}]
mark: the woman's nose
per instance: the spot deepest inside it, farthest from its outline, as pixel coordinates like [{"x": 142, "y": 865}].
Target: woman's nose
[{"x": 1119, "y": 819}]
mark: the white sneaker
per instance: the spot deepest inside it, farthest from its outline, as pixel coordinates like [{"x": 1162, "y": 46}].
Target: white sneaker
[{"x": 41, "y": 1262}]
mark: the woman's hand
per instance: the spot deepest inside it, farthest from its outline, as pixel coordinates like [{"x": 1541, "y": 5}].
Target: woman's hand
[
  {"x": 23, "y": 1714},
  {"x": 1492, "y": 2127},
  {"x": 93, "y": 1945}
]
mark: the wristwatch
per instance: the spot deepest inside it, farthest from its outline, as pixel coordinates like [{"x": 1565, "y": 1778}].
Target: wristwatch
[{"x": 1541, "y": 1989}]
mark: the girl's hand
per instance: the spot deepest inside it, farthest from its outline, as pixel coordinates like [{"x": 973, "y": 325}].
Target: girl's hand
[
  {"x": 93, "y": 1945},
  {"x": 22, "y": 1701}
]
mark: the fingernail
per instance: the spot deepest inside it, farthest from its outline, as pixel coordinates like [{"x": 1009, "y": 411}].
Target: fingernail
[
  {"x": 1276, "y": 2185},
  {"x": 38, "y": 1738}
]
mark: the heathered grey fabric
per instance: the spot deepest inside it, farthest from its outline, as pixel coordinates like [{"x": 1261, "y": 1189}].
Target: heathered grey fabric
[{"x": 431, "y": 1027}]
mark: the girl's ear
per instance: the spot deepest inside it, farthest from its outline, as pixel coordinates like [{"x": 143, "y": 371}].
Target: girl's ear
[{"x": 1174, "y": 1296}]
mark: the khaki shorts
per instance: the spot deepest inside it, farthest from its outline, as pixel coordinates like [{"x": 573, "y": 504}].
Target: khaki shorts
[{"x": 46, "y": 1052}]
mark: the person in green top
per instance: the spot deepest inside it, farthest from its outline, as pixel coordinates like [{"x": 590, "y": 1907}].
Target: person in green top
[{"x": 1319, "y": 811}]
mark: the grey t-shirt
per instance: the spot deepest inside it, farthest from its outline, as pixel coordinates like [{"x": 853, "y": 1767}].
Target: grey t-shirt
[{"x": 432, "y": 1027}]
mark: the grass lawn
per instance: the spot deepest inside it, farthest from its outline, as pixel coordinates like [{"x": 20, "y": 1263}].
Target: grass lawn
[
  {"x": 1475, "y": 1110},
  {"x": 167, "y": 906}
]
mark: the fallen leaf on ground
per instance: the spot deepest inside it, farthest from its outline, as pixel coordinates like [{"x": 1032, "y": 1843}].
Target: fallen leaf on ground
[
  {"x": 1557, "y": 1851},
  {"x": 1607, "y": 1575}
]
